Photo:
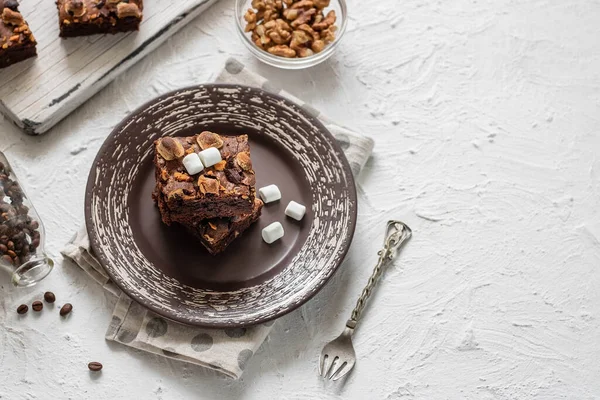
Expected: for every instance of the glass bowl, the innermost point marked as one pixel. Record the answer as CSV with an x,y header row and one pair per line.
x,y
241,6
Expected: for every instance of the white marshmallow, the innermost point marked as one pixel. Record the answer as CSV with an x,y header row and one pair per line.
x,y
269,193
210,156
272,232
193,164
295,210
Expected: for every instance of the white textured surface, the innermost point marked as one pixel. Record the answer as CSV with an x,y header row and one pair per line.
x,y
486,116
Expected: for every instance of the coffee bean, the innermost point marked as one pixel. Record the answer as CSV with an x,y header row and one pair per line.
x,y
23,210
6,258
66,309
19,236
11,253
3,249
35,243
10,245
22,309
95,366
37,305
34,225
49,297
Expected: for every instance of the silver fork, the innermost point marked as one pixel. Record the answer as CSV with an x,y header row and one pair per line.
x,y
338,356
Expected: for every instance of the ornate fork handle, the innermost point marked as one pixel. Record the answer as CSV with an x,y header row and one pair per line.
x,y
397,234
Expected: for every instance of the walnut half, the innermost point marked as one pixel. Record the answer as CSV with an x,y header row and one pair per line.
x,y
170,149
282,51
125,10
10,17
75,8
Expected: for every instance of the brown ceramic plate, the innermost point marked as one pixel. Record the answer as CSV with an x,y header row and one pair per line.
x,y
165,268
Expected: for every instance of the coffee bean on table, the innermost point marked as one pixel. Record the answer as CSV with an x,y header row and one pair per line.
x,y
37,305
67,308
22,309
95,366
49,297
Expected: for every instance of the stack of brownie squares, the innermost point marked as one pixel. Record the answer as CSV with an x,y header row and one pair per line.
x,y
215,204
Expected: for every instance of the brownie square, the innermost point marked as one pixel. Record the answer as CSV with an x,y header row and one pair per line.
x,y
90,17
16,40
223,190
218,233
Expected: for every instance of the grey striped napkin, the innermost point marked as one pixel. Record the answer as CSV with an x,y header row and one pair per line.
x,y
228,350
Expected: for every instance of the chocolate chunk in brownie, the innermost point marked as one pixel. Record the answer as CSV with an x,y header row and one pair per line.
x,y
90,17
17,43
218,233
222,190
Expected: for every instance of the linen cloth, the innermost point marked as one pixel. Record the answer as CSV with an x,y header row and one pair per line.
x,y
224,350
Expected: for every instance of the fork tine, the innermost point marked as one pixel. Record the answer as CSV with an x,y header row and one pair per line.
x,y
331,368
322,363
341,372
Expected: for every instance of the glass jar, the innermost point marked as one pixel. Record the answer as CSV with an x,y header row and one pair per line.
x,y
22,251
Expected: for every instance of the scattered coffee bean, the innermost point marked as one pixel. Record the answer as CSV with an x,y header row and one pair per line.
x,y
66,309
22,309
37,305
95,366
49,297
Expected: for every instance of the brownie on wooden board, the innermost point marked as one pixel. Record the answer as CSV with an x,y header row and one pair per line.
x,y
218,233
17,43
90,17
223,190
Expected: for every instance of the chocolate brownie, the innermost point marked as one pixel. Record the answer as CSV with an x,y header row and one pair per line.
x,y
218,233
16,40
90,17
223,190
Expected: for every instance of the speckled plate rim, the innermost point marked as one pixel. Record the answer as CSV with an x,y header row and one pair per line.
x,y
351,186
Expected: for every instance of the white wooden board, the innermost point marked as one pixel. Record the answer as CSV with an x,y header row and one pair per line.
x,y
39,92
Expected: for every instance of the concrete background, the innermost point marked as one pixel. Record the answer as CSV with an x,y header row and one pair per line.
x,y
486,116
